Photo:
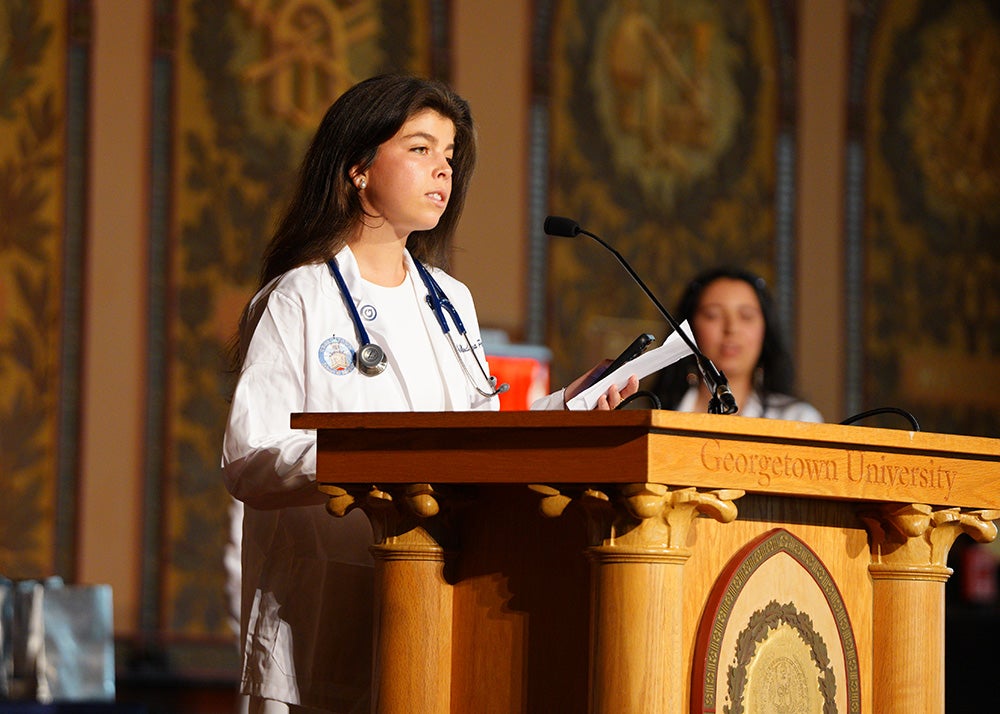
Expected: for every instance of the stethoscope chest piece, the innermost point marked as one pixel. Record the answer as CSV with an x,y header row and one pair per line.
x,y
371,359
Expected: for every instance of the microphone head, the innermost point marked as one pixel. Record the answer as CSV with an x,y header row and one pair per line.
x,y
727,400
559,226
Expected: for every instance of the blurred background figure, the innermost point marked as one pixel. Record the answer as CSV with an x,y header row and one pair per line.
x,y
735,325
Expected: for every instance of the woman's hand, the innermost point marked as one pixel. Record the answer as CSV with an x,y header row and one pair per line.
x,y
611,398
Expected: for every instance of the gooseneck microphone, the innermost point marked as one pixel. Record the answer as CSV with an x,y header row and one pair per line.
x,y
722,401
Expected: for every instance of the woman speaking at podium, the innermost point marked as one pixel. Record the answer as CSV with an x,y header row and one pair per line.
x,y
353,313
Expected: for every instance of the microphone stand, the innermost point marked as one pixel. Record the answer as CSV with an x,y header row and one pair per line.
x,y
722,400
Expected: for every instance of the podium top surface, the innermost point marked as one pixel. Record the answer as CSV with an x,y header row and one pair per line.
x,y
657,446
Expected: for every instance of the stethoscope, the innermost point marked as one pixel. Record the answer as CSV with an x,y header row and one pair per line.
x,y
371,359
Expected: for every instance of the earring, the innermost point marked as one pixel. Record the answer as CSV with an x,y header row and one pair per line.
x,y
362,183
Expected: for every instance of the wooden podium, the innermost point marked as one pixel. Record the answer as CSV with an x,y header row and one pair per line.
x,y
655,562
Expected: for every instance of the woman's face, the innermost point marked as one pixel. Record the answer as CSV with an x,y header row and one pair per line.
x,y
729,327
409,182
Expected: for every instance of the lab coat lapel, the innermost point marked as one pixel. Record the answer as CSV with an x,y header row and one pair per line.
x,y
456,397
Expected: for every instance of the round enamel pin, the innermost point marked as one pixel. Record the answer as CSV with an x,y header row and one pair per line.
x,y
337,356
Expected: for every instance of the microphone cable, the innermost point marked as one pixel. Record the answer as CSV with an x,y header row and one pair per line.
x,y
883,410
642,394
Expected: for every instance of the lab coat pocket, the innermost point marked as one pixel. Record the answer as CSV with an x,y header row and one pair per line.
x,y
268,644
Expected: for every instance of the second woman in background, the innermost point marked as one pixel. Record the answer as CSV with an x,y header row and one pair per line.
x,y
732,317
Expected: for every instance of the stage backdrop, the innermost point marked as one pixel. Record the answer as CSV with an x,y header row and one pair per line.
x,y
239,88
44,55
669,134
924,238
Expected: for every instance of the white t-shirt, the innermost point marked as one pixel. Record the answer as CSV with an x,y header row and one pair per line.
x,y
419,369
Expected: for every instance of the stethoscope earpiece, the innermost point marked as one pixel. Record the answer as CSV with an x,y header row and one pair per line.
x,y
371,360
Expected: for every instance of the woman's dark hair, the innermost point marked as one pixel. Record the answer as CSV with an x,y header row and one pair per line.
x,y
774,364
326,207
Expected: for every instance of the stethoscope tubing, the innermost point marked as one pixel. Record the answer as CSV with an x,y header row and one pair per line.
x,y
370,359
439,303
359,326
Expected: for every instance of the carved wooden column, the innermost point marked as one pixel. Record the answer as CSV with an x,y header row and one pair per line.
x,y
411,671
910,545
639,536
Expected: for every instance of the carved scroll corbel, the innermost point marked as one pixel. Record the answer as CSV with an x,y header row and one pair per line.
x,y
404,514
644,515
689,503
917,538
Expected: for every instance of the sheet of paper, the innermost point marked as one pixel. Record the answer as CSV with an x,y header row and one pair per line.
x,y
672,349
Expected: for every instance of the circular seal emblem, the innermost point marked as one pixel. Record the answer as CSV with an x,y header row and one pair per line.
x,y
368,312
337,356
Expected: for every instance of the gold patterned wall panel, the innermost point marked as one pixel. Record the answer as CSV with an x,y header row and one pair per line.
x,y
664,129
40,248
244,83
930,233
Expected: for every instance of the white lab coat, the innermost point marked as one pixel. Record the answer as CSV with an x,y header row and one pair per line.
x,y
779,406
306,607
